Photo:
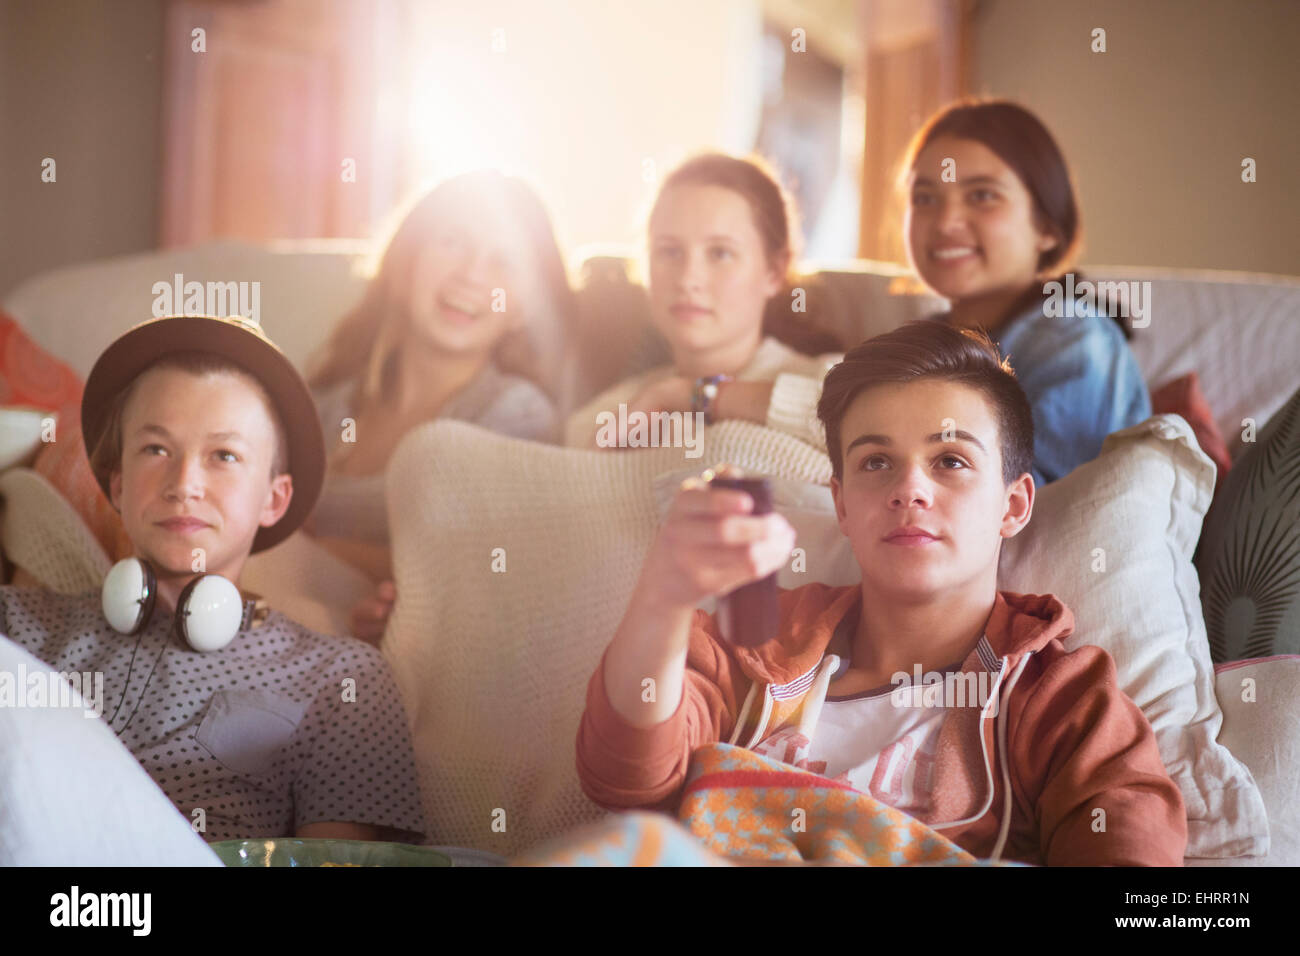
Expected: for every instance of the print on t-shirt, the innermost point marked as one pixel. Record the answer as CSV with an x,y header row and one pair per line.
x,y
869,743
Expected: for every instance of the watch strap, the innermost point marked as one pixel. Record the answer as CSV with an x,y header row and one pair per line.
x,y
704,395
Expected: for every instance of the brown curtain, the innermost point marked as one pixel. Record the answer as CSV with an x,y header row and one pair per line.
x,y
916,61
265,125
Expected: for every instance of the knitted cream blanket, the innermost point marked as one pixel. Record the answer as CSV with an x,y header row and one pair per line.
x,y
495,634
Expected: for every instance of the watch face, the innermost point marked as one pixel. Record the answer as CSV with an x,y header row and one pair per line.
x,y
705,393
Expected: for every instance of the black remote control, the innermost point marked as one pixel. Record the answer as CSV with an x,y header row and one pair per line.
x,y
751,614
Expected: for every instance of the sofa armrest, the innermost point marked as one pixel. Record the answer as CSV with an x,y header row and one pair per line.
x,y
1260,699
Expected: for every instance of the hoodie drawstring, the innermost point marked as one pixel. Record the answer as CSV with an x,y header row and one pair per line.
x,y
1004,699
763,718
744,712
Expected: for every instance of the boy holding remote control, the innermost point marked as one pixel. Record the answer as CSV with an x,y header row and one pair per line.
x,y
931,444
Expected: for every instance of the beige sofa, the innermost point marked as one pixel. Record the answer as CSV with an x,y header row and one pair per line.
x,y
518,647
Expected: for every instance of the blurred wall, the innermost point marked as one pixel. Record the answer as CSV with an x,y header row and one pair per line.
x,y
1157,126
80,82
591,101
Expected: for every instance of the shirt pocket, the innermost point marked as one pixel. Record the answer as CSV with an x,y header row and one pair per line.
x,y
246,730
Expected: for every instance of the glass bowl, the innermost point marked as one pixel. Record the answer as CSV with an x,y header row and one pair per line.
x,y
293,851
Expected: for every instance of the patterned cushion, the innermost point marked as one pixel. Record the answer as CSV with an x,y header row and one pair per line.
x,y
1249,553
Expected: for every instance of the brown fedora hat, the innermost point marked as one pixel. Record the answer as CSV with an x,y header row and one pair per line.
x,y
243,342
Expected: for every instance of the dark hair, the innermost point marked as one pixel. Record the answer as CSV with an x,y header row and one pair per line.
x,y
776,217
1020,140
928,349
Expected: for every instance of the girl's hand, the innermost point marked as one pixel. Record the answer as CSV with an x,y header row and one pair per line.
x,y
370,616
747,401
672,394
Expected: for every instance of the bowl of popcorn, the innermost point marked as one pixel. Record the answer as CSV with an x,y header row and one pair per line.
x,y
293,851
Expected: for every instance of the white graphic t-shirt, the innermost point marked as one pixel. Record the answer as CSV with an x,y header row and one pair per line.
x,y
880,741
879,748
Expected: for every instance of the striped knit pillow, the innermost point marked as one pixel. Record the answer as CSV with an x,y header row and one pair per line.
x,y
1249,554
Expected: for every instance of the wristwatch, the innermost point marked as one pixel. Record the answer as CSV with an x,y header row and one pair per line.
x,y
705,394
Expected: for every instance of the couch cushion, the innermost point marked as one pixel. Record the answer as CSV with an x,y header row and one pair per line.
x,y
1114,539
1249,555
43,534
1261,711
1183,397
304,288
1239,332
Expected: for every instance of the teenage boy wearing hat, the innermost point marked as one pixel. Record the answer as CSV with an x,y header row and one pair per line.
x,y
206,440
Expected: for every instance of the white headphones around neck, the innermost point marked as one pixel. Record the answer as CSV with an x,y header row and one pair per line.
x,y
209,612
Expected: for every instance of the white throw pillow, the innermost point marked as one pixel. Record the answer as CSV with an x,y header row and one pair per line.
x,y
1138,507
71,794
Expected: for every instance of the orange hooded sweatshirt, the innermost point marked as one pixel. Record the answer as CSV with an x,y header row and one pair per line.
x,y
1058,767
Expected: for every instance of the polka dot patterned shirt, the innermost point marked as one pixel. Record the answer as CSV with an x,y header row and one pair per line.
x,y
281,728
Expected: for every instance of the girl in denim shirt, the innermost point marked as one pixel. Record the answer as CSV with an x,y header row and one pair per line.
x,y
991,219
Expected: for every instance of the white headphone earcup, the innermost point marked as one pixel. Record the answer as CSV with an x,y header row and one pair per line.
x,y
209,613
128,595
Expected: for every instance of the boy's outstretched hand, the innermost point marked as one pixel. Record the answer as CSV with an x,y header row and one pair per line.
x,y
370,616
710,545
